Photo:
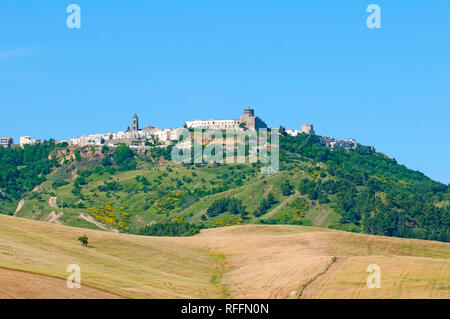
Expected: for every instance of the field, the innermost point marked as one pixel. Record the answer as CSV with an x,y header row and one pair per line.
x,y
251,261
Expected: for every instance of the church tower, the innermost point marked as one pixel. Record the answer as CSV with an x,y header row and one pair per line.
x,y
135,123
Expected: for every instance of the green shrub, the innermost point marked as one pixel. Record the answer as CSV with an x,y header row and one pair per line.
x,y
57,184
83,239
173,229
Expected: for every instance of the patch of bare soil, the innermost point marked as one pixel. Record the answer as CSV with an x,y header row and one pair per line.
x,y
53,218
96,223
52,202
19,206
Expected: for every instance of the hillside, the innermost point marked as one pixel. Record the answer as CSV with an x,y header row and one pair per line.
x,y
250,261
123,190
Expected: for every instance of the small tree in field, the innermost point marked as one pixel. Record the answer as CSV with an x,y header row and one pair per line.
x,y
83,239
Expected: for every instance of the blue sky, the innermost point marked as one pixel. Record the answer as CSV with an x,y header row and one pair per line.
x,y
293,61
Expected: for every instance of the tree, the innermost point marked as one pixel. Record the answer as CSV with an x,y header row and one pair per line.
x,y
265,205
169,228
80,180
106,161
83,239
124,157
286,188
77,154
271,199
227,204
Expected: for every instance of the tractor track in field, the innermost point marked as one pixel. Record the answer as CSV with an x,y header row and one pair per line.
x,y
316,276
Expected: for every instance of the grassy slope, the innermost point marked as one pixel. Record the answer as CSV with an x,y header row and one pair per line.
x,y
143,200
38,208
254,189
255,261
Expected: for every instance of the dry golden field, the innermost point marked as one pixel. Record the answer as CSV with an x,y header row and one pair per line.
x,y
253,261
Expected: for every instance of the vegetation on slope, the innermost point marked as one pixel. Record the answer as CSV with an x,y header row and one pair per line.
x,y
356,190
371,192
172,229
22,169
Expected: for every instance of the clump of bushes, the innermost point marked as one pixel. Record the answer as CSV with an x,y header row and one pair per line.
x,y
57,184
172,229
265,205
227,204
83,239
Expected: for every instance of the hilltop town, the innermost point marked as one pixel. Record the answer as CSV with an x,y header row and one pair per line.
x,y
138,188
142,138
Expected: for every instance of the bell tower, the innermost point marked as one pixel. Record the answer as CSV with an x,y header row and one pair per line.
x,y
135,123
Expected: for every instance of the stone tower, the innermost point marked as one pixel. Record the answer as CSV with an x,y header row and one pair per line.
x,y
135,123
307,129
251,121
249,112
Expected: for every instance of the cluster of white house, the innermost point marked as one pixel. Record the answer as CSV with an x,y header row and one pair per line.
x,y
348,144
136,138
139,138
305,129
7,141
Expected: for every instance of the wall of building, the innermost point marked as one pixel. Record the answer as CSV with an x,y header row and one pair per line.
x,y
248,118
6,141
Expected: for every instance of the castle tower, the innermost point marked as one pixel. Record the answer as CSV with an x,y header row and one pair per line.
x,y
307,129
249,112
135,123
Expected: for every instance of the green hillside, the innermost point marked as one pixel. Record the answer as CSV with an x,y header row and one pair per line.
x,y
145,193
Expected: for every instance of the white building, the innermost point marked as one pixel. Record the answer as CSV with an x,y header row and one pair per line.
x,y
247,120
213,124
166,134
293,132
160,135
305,129
92,140
174,134
26,140
6,141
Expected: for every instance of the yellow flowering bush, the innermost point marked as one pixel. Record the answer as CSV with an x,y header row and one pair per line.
x,y
111,215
